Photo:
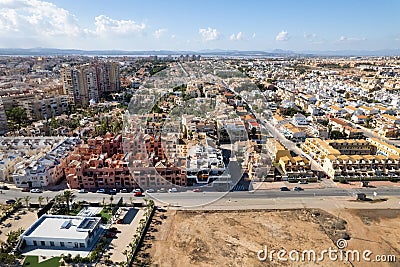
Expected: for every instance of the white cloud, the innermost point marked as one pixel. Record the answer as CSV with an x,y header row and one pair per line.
x,y
30,23
351,39
237,37
106,26
158,33
209,34
310,36
32,17
282,36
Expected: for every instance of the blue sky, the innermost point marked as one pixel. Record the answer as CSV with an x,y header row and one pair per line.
x,y
196,25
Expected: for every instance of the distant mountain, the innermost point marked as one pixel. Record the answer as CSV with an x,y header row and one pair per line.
x,y
207,52
379,53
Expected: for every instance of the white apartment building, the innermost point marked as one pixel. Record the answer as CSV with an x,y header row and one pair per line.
x,y
204,164
44,170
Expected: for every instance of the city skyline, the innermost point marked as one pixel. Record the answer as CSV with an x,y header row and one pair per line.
x,y
234,25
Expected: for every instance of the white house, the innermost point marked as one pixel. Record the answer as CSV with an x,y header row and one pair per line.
x,y
299,120
359,119
62,232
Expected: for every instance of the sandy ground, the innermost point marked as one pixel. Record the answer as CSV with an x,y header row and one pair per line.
x,y
232,238
24,222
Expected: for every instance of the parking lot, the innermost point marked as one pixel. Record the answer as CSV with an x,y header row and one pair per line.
x,y
125,231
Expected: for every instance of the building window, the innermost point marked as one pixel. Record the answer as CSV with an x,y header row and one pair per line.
x,y
52,243
42,243
62,244
34,243
82,245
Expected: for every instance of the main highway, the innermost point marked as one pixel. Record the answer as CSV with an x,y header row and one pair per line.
x,y
189,198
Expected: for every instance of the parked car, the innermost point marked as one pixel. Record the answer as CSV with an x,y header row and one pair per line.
x,y
136,190
101,190
173,190
150,190
197,190
303,182
161,190
4,187
285,188
25,189
10,201
138,194
298,188
82,191
120,221
123,190
113,191
110,234
36,190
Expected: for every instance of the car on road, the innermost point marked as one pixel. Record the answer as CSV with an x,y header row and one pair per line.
x,y
4,187
136,190
284,188
82,191
161,190
173,190
113,191
150,190
36,190
197,190
298,188
303,182
138,194
26,189
10,201
101,190
123,190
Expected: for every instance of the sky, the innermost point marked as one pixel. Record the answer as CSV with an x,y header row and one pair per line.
x,y
264,25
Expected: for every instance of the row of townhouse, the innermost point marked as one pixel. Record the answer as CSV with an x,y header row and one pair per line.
x,y
44,169
355,159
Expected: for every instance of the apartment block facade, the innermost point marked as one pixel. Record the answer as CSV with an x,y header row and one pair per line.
x,y
3,119
89,82
99,163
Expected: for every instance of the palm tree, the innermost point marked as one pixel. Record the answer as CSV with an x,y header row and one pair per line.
x,y
47,199
126,253
40,200
26,200
17,201
111,200
68,196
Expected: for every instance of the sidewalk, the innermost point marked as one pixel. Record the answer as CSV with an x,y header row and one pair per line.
x,y
278,185
372,184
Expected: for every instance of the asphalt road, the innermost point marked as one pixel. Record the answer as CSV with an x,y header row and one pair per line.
x,y
189,198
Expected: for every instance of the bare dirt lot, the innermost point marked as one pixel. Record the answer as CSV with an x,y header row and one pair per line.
x,y
219,238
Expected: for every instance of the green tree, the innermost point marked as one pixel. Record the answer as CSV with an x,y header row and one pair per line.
x,y
17,115
68,196
111,200
40,200
26,200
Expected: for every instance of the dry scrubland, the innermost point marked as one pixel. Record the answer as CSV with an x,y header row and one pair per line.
x,y
186,238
